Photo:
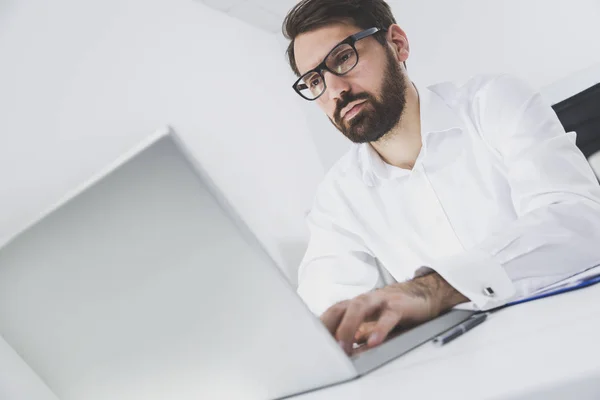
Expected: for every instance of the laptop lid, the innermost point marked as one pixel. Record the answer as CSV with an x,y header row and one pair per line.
x,y
146,285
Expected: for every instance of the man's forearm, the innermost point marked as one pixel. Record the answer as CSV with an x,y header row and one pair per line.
x,y
441,294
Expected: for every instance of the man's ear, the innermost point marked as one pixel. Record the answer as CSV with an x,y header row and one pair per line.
x,y
398,42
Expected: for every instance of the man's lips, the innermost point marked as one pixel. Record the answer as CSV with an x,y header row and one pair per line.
x,y
350,111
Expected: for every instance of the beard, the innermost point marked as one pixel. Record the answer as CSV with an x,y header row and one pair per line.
x,y
378,116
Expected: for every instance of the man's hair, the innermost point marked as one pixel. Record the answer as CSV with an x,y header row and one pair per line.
x,y
309,15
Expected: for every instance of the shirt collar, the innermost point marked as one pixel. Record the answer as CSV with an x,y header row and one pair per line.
x,y
436,116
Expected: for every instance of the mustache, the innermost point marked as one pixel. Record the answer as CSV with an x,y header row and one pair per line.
x,y
344,101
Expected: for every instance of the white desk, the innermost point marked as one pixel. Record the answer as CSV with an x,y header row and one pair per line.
x,y
546,349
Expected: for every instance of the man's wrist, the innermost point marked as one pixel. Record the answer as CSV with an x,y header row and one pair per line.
x,y
440,293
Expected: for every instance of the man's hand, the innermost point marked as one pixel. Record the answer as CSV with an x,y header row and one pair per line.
x,y
372,316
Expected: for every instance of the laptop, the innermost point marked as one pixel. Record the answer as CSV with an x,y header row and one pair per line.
x,y
145,284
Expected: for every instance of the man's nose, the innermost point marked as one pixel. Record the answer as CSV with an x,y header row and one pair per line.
x,y
336,86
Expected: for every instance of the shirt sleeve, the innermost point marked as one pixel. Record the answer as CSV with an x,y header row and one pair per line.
x,y
337,265
554,192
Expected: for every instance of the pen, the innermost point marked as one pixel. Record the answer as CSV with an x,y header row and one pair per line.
x,y
458,330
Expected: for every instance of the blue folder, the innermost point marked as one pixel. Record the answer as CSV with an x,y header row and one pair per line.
x,y
570,284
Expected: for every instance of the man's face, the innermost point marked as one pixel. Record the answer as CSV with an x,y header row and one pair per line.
x,y
367,102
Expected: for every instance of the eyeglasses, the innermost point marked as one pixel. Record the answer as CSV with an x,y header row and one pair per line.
x,y
341,60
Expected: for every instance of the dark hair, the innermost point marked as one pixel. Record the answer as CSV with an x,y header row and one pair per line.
x,y
309,15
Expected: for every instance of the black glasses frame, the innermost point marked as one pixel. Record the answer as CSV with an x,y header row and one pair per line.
x,y
350,40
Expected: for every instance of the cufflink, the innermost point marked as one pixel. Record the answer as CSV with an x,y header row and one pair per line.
x,y
488,291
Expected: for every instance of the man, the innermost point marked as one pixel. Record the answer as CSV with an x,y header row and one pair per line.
x,y
451,194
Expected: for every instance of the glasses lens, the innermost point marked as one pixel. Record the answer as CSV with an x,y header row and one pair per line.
x,y
342,59
311,85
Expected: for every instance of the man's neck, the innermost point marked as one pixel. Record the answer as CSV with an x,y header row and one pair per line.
x,y
401,146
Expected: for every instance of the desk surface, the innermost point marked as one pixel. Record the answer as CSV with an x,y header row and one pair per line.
x,y
545,349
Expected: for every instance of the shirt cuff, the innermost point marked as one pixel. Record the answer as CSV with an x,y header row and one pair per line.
x,y
477,276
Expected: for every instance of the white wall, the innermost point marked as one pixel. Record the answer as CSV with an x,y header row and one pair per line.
x,y
81,82
541,41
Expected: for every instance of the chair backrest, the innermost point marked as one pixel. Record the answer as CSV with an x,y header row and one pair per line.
x,y
581,113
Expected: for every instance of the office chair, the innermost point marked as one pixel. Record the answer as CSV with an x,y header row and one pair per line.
x,y
581,113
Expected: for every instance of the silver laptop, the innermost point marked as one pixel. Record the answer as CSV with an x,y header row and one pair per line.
x,y
146,285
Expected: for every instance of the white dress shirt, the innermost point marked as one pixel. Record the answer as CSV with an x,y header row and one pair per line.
x,y
500,203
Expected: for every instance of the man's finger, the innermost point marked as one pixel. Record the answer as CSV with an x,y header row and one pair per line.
x,y
386,322
364,331
333,316
356,313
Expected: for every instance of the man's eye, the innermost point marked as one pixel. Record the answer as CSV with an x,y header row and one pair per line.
x,y
344,57
315,82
